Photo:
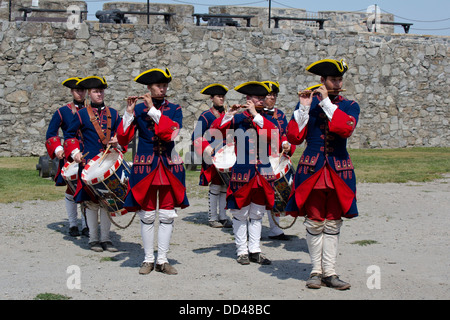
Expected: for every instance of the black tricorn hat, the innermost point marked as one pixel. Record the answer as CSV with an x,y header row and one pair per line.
x,y
273,86
253,88
93,82
215,89
154,76
328,67
72,83
314,87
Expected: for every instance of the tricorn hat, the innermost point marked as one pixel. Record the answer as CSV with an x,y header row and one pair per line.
x,y
273,86
154,76
253,88
328,67
92,82
214,89
314,87
72,83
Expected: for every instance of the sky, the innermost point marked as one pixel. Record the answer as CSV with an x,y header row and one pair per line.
x,y
431,17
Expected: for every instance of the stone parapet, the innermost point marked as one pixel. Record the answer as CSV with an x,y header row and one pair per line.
x,y
399,80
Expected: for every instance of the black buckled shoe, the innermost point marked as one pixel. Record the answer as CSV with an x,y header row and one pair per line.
x,y
166,268
243,259
258,257
335,283
74,232
314,281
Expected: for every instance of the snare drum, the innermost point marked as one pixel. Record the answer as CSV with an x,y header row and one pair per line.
x,y
69,172
224,160
284,173
107,175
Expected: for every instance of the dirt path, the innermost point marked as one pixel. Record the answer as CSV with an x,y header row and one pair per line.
x,y
410,224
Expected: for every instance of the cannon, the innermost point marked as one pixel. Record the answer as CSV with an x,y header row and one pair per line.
x,y
111,16
47,167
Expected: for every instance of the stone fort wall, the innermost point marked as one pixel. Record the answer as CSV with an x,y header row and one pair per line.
x,y
401,81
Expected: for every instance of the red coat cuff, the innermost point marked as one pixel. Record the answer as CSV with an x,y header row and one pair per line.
x,y
167,129
342,124
200,145
70,145
124,137
51,144
293,135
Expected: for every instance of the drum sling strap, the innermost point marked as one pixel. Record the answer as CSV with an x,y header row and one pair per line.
x,y
74,109
95,122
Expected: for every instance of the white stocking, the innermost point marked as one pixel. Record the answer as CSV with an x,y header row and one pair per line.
x,y
254,235
148,233
71,208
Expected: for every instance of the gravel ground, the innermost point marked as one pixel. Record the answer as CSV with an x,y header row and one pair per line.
x,y
408,258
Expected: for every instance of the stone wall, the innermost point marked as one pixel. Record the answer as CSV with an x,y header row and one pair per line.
x,y
401,81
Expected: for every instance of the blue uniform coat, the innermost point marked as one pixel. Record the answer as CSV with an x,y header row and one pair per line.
x,y
326,143
90,141
156,151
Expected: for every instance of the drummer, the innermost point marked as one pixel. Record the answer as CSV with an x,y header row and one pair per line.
x,y
61,120
277,117
158,174
250,194
204,146
97,125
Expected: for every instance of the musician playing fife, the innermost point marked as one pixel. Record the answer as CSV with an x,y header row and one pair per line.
x,y
324,188
158,174
204,143
61,120
250,193
97,124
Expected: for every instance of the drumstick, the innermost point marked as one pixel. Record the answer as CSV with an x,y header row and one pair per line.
x,y
104,154
84,155
279,159
106,151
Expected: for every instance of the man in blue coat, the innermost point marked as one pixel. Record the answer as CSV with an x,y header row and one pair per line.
x,y
250,192
204,141
324,184
277,117
97,125
157,180
61,119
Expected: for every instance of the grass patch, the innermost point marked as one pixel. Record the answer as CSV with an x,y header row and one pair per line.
x,y
400,165
20,181
108,259
364,243
396,165
51,296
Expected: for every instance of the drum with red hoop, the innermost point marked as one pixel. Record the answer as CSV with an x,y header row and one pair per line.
x,y
224,160
284,173
69,172
107,175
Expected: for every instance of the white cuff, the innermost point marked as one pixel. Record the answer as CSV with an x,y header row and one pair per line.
x,y
58,149
301,115
226,118
127,120
74,152
258,119
155,114
328,107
